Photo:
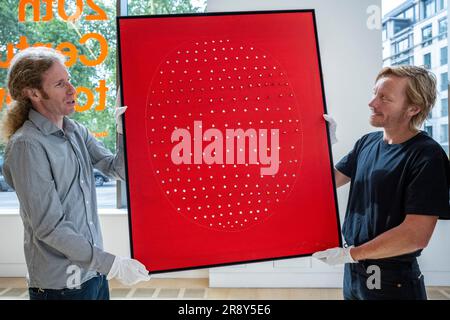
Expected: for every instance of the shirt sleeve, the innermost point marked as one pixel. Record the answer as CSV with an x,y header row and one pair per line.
x,y
347,165
427,192
103,160
29,173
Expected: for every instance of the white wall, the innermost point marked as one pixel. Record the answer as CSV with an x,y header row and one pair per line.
x,y
114,224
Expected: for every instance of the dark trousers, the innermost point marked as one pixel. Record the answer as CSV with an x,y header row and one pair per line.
x,y
380,280
94,289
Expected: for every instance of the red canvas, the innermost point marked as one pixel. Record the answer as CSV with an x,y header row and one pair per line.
x,y
228,157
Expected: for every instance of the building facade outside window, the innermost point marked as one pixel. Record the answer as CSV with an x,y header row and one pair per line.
x,y
430,51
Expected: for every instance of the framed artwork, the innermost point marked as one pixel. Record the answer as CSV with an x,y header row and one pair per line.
x,y
228,155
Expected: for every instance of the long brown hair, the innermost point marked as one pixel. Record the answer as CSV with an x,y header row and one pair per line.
x,y
25,71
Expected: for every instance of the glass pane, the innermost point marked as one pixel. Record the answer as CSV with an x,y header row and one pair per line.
x,y
427,36
444,56
86,34
429,8
429,130
444,81
443,28
444,133
427,60
444,107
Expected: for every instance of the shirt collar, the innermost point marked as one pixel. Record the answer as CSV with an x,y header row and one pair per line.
x,y
46,126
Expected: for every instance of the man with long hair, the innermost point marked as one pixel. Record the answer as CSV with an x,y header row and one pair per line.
x,y
49,161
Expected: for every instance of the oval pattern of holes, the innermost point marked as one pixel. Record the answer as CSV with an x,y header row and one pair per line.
x,y
223,85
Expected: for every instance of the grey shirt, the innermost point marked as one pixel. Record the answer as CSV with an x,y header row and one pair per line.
x,y
51,171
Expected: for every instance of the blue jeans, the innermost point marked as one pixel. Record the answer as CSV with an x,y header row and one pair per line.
x,y
94,289
397,281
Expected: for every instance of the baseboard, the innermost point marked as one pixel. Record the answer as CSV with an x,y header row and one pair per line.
x,y
300,280
252,280
13,270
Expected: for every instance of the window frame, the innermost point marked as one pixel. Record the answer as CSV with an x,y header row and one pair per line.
x,y
429,40
444,55
444,84
427,66
425,4
442,34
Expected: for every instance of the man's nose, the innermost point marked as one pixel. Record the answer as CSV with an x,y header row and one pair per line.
x,y
71,89
372,102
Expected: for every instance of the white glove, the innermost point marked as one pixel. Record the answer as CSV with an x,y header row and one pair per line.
x,y
335,256
128,271
119,111
332,128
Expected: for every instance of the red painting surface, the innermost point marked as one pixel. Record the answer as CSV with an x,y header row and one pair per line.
x,y
227,151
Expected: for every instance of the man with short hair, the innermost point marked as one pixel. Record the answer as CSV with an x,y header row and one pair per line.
x,y
49,161
399,189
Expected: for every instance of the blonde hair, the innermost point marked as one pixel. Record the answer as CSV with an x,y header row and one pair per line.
x,y
25,71
420,91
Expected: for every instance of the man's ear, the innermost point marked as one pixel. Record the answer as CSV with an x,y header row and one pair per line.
x,y
413,110
32,94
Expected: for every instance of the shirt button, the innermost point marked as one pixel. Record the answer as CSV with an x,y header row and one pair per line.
x,y
91,223
87,202
82,181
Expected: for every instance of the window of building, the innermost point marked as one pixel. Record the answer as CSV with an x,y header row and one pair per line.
x,y
444,81
429,130
400,25
384,32
444,56
429,8
442,4
402,45
406,61
427,35
410,14
444,133
427,60
443,28
444,107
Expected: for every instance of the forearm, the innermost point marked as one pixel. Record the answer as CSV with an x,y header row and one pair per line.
x,y
392,243
412,235
109,164
76,248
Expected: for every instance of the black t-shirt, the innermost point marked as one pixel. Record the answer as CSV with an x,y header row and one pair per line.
x,y
389,181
